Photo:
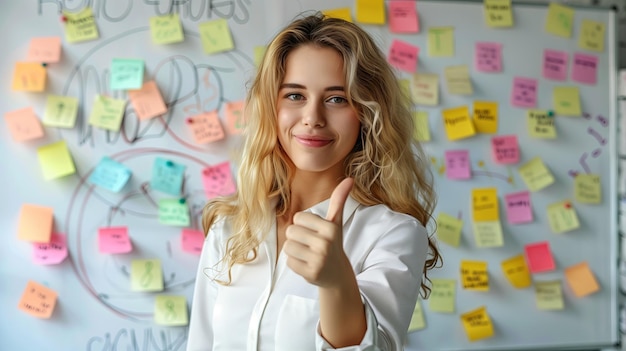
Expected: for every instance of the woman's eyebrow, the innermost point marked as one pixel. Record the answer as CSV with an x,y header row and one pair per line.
x,y
300,86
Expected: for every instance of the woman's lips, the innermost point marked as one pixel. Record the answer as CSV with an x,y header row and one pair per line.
x,y
312,141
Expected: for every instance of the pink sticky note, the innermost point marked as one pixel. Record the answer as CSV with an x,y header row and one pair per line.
x,y
554,64
206,127
403,55
53,252
524,92
539,257
403,17
24,124
114,240
488,57
218,180
505,149
147,101
458,164
585,68
518,207
44,50
192,240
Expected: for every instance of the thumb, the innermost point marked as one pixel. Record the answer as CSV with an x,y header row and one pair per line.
x,y
338,200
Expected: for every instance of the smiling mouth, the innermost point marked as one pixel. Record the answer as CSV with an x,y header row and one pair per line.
x,y
313,142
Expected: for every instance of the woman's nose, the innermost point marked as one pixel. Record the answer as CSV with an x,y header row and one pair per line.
x,y
313,115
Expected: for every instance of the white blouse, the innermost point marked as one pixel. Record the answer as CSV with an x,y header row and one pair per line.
x,y
269,307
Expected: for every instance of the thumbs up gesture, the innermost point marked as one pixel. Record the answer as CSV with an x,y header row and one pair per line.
x,y
314,245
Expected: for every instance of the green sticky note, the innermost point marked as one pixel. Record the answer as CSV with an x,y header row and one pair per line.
x,y
566,101
107,113
535,174
562,217
417,319
174,212
441,42
215,36
559,20
55,160
126,74
443,295
170,310
60,111
422,126
166,29
449,229
146,275
587,188
259,52
80,26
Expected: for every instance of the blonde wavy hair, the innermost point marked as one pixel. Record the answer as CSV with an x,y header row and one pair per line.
x,y
387,164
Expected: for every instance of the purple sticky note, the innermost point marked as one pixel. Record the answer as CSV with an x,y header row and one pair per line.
x,y
585,68
114,240
458,164
555,64
539,257
524,92
192,240
403,17
505,149
403,55
218,180
518,207
488,57
53,252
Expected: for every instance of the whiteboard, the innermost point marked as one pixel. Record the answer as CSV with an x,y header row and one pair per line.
x,y
96,310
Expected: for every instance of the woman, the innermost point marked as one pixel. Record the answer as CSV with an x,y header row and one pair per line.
x,y
324,244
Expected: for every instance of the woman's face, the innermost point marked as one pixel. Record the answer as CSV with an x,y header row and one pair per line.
x,y
317,127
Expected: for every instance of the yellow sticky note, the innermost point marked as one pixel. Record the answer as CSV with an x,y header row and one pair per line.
x,y
147,101
535,174
540,124
405,86
458,80
587,188
166,29
458,123
474,275
259,53
516,271
488,234
60,111
417,318
38,300
559,20
486,117
170,310
591,35
370,11
485,204
498,13
107,113
562,217
581,279
566,101
549,295
477,324
441,42
146,275
343,13
80,26
35,223
425,89
443,295
449,229
422,127
29,76
55,160
24,124
215,36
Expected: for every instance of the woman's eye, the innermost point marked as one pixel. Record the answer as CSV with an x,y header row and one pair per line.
x,y
294,97
337,100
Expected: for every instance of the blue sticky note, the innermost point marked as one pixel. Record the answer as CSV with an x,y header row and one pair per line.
x,y
110,175
126,74
167,176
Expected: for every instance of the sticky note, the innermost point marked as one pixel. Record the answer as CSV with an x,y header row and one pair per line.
x,y
55,160
29,76
107,113
80,26
403,55
37,300
585,68
518,207
126,74
343,13
170,310
588,189
486,117
44,50
405,86
458,80
474,275
60,111
422,126
535,174
488,234
425,89
539,257
167,176
147,101
591,35
485,204
441,41
488,57
53,252
192,240
554,64
559,20
215,36
524,92
540,124
443,295
235,121
477,324
174,212
35,223
566,101
417,318
114,240
581,279
549,295
218,180
458,164
110,175
562,217
449,229
498,13
259,53
370,11
146,275
505,149
457,123
206,127
516,271
403,17
23,124
166,29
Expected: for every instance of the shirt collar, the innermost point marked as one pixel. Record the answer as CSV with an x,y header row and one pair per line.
x,y
321,208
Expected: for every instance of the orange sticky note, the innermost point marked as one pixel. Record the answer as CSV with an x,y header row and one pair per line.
x,y
581,279
147,101
206,127
24,124
38,300
35,223
29,76
235,120
44,50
